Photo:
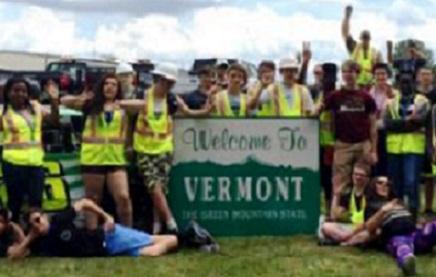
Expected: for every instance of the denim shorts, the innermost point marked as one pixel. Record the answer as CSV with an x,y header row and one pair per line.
x,y
125,241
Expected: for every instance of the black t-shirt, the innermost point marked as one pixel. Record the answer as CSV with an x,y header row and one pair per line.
x,y
195,100
398,222
65,239
6,240
345,200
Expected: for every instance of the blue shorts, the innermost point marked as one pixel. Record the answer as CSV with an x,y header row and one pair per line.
x,y
124,241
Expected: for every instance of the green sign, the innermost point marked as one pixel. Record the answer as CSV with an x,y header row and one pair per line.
x,y
247,176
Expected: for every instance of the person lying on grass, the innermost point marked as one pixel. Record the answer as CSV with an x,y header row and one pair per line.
x,y
59,236
10,233
388,220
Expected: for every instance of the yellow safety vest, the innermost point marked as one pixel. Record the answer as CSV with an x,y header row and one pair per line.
x,y
297,105
267,109
153,135
365,63
22,137
357,216
404,143
326,134
224,108
104,143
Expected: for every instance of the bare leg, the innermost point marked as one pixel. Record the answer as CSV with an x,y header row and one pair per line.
x,y
335,231
157,224
161,244
160,203
119,188
94,184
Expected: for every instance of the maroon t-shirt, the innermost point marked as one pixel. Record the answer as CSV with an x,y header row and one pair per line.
x,y
351,111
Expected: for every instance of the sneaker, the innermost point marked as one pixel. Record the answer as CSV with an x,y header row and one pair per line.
x,y
409,266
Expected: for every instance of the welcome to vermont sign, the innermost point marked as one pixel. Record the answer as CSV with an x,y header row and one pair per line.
x,y
247,176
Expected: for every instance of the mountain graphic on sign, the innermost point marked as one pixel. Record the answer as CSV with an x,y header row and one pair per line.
x,y
251,166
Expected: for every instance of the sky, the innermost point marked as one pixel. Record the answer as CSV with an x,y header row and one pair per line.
x,y
182,30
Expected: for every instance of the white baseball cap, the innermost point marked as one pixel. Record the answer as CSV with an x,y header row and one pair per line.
x,y
166,70
124,68
287,63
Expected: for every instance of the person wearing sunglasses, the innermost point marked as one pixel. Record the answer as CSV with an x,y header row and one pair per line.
x,y
60,236
388,221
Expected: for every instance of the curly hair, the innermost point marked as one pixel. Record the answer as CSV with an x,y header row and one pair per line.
x,y
7,89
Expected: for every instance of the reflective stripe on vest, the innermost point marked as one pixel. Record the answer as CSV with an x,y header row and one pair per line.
x,y
297,103
224,107
22,137
104,143
365,63
357,216
404,143
153,135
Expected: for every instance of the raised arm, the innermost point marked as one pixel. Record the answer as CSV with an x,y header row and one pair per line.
x,y
306,57
350,43
89,205
345,26
53,116
184,109
132,106
76,102
254,95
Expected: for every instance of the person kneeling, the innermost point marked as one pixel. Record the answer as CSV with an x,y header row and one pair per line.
x,y
59,236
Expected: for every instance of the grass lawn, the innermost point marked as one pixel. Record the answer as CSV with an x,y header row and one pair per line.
x,y
264,256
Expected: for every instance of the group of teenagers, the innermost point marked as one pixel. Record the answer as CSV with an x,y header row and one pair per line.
x,y
114,128
365,124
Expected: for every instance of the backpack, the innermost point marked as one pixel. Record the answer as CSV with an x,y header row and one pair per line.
x,y
195,236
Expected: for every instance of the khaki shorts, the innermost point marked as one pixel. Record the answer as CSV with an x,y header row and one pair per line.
x,y
155,169
344,157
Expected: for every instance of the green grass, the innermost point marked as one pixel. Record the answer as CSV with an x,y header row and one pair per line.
x,y
265,256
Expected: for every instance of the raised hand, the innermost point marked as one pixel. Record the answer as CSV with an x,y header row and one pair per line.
x,y
52,90
109,224
348,11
